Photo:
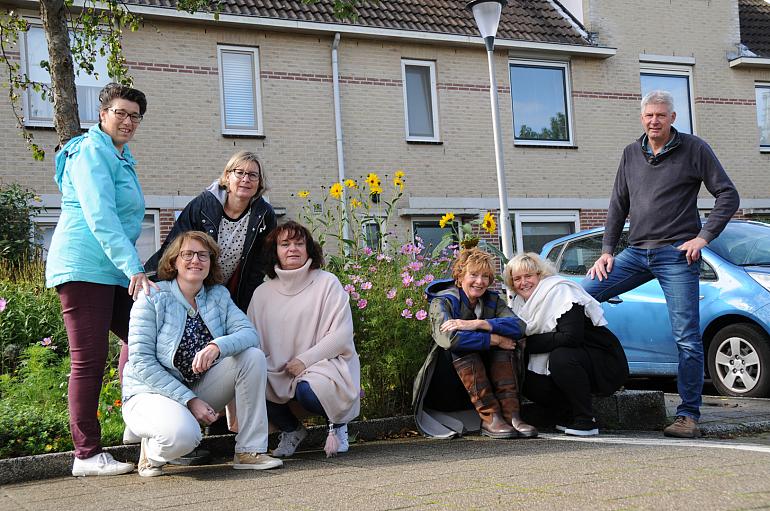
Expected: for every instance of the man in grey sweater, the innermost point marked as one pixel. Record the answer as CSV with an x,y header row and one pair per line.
x,y
657,185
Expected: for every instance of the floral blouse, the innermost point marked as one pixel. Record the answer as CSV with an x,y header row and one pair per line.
x,y
195,337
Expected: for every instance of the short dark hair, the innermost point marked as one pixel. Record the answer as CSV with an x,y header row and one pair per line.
x,y
113,91
166,266
294,231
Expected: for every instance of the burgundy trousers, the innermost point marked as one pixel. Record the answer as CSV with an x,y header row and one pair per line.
x,y
90,311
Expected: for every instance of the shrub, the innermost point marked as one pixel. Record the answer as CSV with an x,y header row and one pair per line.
x,y
17,229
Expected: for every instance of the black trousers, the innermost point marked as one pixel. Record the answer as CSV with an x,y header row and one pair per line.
x,y
568,388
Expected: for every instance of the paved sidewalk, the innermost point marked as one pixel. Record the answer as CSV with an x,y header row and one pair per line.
x,y
727,416
611,472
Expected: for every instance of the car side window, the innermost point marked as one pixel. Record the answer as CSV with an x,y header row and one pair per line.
x,y
706,271
580,255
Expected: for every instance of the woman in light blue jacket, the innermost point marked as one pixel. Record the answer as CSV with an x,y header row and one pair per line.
x,y
93,261
191,351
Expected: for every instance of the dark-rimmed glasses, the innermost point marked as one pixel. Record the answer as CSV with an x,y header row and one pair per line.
x,y
122,114
203,255
240,173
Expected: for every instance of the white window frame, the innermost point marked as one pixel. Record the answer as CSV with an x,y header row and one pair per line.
x,y
560,64
41,123
762,85
259,129
672,70
521,217
434,99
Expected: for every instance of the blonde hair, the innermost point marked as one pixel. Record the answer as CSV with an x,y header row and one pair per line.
x,y
167,265
239,159
528,262
473,260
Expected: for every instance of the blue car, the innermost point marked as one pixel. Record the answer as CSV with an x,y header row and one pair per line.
x,y
734,308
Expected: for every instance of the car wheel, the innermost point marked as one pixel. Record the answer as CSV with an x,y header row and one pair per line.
x,y
739,361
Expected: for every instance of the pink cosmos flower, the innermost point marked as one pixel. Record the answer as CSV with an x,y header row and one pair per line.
x,y
372,269
391,294
420,283
356,266
355,296
368,251
420,315
366,285
407,280
409,302
429,278
356,279
380,257
349,288
406,313
46,341
415,266
362,303
3,304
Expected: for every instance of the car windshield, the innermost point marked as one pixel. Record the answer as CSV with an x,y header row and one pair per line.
x,y
744,243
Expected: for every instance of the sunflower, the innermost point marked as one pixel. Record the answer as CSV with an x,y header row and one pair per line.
x,y
449,217
355,203
488,224
400,174
373,180
336,191
349,183
303,194
398,183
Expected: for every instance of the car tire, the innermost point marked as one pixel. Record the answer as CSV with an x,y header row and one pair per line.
x,y
739,361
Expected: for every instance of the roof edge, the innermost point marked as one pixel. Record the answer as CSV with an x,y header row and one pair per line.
x,y
747,62
367,32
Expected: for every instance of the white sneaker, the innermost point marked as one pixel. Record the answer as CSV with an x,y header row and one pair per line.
x,y
129,437
147,467
289,441
102,464
255,461
342,437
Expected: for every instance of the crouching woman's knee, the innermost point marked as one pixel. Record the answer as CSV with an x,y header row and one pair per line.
x,y
178,439
251,361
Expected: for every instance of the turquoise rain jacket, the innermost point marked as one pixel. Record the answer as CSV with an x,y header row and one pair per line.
x,y
102,208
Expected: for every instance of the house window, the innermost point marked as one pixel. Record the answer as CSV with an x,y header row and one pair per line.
x,y
541,104
678,81
763,115
420,103
372,234
147,244
39,111
532,230
239,90
431,234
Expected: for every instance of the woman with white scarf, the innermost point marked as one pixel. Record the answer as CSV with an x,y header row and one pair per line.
x,y
572,354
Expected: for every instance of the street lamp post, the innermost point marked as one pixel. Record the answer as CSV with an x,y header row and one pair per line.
x,y
487,15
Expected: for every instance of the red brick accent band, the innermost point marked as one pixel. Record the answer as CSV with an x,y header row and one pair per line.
x,y
725,101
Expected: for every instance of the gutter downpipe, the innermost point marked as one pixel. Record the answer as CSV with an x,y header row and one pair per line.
x,y
338,129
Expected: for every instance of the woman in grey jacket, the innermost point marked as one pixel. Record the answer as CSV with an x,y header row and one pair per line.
x,y
191,351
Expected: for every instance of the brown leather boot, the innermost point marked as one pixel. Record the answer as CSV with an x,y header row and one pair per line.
x,y
503,371
470,369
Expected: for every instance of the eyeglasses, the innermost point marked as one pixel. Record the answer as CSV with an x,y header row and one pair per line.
x,y
240,173
122,114
187,255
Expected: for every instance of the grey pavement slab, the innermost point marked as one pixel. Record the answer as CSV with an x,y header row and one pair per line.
x,y
636,471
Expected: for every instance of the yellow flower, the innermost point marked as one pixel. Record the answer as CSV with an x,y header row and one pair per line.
x,y
336,191
398,183
350,183
488,224
400,174
373,180
446,219
303,194
375,189
48,447
355,203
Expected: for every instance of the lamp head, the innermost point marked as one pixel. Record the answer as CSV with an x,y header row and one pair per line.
x,y
487,15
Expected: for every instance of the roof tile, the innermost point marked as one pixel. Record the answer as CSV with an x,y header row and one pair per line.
x,y
755,25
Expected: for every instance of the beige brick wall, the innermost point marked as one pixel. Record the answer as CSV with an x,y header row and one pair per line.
x,y
180,148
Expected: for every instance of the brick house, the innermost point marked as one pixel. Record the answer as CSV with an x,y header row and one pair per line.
x,y
413,95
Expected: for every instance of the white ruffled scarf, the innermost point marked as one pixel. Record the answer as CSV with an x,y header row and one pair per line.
x,y
552,297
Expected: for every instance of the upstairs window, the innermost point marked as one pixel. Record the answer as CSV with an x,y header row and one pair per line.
x,y
420,103
678,81
239,90
542,109
763,115
39,111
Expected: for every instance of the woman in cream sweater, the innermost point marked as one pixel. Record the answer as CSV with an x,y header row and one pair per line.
x,y
303,317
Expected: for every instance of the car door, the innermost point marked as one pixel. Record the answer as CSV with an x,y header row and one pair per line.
x,y
639,318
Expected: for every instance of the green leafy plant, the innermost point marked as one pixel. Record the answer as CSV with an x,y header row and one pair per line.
x,y
17,230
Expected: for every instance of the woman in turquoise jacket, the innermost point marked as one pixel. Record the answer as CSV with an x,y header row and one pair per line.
x,y
192,350
93,262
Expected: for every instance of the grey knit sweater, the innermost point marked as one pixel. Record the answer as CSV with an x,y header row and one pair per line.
x,y
660,194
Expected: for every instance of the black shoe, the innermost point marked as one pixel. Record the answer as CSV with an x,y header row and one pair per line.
x,y
582,427
196,457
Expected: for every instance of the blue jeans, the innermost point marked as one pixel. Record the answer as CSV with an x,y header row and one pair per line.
x,y
679,281
281,415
